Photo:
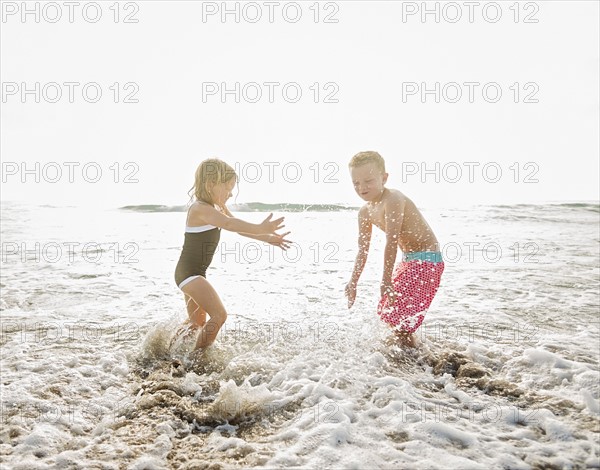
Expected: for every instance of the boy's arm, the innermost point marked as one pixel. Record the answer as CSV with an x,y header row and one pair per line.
x,y
365,228
394,215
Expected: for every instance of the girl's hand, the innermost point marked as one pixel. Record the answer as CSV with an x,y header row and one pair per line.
x,y
279,240
271,226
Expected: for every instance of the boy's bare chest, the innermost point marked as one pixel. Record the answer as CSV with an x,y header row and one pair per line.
x,y
377,215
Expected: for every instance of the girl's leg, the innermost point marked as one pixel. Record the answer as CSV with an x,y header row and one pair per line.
x,y
205,296
196,320
196,314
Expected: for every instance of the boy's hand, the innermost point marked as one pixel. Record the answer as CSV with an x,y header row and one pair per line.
x,y
387,290
350,293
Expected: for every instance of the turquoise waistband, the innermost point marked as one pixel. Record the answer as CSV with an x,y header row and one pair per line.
x,y
432,256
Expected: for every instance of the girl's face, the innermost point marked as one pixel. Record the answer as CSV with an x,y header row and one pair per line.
x,y
221,192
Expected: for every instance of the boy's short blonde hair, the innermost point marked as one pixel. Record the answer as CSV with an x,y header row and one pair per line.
x,y
362,158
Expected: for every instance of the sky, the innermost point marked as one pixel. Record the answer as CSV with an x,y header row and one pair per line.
x,y
490,104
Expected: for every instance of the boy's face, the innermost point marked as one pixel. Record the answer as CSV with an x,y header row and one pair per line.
x,y
368,181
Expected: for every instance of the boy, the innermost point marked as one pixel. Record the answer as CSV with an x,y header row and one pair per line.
x,y
416,279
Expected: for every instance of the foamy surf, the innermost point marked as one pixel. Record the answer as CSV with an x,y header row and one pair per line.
x,y
439,394
503,377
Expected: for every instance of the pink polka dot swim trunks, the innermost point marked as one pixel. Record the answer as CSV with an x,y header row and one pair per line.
x,y
415,280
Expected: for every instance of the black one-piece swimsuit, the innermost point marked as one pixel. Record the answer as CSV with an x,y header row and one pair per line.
x,y
199,246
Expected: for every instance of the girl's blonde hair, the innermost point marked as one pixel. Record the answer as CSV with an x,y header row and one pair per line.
x,y
210,172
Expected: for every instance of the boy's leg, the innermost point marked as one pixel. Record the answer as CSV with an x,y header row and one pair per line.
x,y
405,338
207,299
414,298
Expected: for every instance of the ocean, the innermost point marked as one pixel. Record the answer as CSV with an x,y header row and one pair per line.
x,y
505,376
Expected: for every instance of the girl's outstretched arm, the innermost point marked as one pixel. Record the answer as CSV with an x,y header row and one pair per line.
x,y
202,214
273,239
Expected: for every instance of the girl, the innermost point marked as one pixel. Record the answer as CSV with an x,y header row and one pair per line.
x,y
206,217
